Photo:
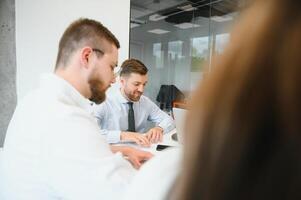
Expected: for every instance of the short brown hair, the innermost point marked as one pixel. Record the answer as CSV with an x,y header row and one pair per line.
x,y
80,33
132,65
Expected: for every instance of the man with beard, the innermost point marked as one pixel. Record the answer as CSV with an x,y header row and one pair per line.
x,y
53,149
124,114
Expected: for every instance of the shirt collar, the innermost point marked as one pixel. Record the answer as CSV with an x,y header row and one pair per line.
x,y
65,91
121,98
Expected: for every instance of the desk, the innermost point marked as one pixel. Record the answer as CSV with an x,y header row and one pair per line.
x,y
167,140
179,104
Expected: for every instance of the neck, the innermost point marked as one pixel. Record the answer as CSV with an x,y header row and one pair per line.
x,y
75,79
123,94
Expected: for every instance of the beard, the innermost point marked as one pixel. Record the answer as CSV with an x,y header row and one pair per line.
x,y
98,91
133,96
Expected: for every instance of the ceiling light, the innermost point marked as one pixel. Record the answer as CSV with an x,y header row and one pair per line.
x,y
158,31
221,18
187,7
156,17
133,25
186,25
138,21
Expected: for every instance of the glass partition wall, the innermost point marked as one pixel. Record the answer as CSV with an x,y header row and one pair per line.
x,y
177,38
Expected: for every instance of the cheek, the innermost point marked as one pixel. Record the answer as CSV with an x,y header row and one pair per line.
x,y
104,74
130,89
135,89
108,74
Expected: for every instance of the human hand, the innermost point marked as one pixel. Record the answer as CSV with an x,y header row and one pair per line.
x,y
138,138
155,135
137,157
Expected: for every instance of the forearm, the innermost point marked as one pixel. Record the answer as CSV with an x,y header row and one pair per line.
x,y
122,149
166,124
123,135
161,119
126,135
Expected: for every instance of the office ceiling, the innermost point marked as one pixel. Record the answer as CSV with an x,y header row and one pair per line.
x,y
170,15
141,9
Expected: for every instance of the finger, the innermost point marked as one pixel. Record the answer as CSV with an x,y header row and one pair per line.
x,y
161,137
137,141
154,136
147,136
141,140
133,161
147,142
147,156
151,137
144,141
136,164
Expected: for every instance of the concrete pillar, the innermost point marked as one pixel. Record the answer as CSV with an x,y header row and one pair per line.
x,y
8,96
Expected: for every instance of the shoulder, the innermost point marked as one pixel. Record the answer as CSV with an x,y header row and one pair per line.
x,y
102,106
145,100
113,98
112,93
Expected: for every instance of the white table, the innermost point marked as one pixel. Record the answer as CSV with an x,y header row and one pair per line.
x,y
167,140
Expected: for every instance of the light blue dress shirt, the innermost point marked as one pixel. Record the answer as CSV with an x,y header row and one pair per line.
x,y
112,116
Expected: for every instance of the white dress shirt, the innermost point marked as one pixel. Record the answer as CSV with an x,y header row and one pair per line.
x,y
156,177
112,116
53,149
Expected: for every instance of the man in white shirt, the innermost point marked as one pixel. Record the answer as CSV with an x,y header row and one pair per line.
x,y
53,149
123,115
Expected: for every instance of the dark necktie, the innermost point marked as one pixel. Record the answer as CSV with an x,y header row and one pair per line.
x,y
131,117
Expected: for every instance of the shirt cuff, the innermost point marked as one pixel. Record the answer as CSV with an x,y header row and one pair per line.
x,y
166,128
113,137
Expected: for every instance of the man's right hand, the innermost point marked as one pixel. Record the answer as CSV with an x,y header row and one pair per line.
x,y
138,138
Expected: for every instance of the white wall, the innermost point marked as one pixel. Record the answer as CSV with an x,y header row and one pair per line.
x,y
40,24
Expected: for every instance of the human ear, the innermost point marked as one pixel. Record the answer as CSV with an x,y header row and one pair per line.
x,y
85,54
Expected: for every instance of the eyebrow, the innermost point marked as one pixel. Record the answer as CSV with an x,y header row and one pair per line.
x,y
140,82
98,50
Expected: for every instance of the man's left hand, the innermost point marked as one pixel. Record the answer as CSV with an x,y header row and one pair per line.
x,y
135,156
155,135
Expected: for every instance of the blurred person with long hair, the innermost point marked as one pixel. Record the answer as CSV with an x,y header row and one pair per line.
x,y
243,131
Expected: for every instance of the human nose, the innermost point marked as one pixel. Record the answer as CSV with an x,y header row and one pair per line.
x,y
141,88
113,79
